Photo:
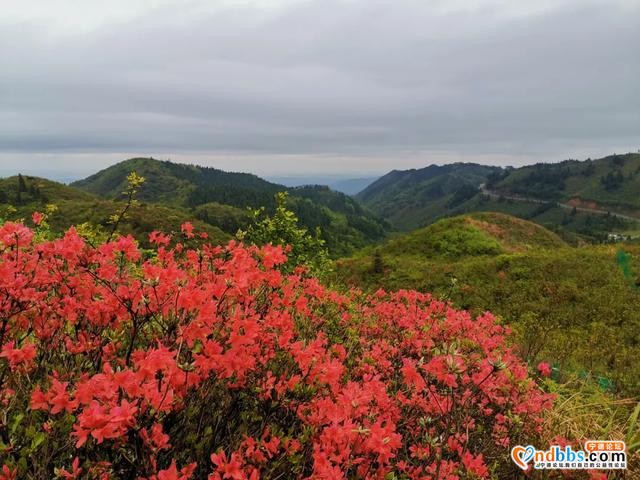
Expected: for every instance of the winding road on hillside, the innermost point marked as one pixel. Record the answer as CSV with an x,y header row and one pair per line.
x,y
517,198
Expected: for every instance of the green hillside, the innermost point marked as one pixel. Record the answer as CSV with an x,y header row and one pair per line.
x,y
559,299
21,195
572,225
180,184
219,197
600,190
22,190
413,198
611,182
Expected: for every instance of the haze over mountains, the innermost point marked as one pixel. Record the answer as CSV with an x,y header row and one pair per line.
x,y
341,183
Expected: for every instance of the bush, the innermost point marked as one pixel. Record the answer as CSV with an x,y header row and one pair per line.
x,y
211,363
282,229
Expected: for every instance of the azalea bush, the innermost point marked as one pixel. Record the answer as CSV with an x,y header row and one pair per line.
x,y
193,361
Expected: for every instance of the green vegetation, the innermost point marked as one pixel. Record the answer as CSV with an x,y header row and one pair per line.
x,y
560,300
611,182
282,229
24,195
218,197
414,198
572,225
227,218
178,184
570,303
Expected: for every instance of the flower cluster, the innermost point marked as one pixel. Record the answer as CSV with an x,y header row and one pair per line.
x,y
211,363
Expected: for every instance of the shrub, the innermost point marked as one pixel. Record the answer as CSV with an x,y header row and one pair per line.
x,y
282,229
210,362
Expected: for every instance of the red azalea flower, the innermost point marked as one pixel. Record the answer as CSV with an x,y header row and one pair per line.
x,y
544,369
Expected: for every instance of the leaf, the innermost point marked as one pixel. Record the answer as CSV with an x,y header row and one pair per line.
x,y
37,440
633,420
16,422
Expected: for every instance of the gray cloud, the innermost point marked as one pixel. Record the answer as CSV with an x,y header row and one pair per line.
x,y
393,81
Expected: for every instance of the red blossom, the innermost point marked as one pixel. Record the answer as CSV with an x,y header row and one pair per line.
x,y
18,357
187,229
8,474
37,218
545,369
151,358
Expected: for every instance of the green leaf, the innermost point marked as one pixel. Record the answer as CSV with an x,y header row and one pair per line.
x,y
16,422
37,440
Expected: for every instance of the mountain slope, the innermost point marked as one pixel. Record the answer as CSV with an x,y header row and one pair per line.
x,y
21,195
21,190
168,182
344,223
604,192
413,198
612,182
558,299
475,234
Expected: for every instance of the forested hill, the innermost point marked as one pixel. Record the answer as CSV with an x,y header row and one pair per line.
x,y
221,198
21,195
181,184
612,182
604,193
412,198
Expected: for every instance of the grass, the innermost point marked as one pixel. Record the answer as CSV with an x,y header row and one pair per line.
x,y
561,300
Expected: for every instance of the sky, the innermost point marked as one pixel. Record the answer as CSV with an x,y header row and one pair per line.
x,y
297,87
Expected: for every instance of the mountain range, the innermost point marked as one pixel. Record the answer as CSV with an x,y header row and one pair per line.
x,y
580,200
588,198
173,193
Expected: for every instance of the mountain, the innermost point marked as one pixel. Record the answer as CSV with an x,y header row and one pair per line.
x,y
582,200
349,186
216,196
476,234
413,198
22,195
609,183
180,184
559,299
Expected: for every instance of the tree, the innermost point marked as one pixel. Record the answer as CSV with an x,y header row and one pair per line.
x,y
378,264
134,182
282,229
22,186
590,169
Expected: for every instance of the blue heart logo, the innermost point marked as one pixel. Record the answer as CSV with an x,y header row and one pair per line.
x,y
528,454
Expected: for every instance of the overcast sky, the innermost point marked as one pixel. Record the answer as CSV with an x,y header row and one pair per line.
x,y
293,87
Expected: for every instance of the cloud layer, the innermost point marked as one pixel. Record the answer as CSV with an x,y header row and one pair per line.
x,y
358,79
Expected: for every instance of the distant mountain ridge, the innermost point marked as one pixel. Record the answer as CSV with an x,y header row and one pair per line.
x,y
166,181
347,185
345,224
413,198
544,193
612,181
